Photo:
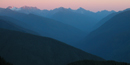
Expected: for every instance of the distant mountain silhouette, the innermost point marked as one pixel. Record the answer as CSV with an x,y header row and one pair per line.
x,y
26,49
101,14
97,15
84,11
28,10
34,10
111,40
79,18
45,26
91,62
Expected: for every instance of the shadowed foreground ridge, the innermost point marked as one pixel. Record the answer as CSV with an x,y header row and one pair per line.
x,y
26,49
3,62
91,62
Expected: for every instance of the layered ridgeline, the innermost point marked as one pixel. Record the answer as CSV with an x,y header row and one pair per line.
x,y
111,40
92,62
25,49
80,18
6,23
104,20
44,26
48,13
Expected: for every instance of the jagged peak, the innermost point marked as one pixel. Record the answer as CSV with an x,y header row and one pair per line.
x,y
29,7
10,7
106,11
13,8
80,8
61,8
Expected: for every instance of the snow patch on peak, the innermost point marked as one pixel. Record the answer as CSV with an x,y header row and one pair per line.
x,y
16,9
13,8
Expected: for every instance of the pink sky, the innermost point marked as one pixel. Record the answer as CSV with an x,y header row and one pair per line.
x,y
92,5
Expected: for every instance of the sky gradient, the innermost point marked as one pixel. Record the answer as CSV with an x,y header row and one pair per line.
x,y
92,5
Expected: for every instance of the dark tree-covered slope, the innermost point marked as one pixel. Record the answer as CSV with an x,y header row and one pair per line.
x,y
91,62
3,62
26,49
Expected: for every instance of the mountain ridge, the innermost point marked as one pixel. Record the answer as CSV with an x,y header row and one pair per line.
x,y
110,39
30,7
27,49
45,26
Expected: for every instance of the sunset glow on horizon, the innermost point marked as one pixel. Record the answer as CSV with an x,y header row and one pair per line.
x,y
92,5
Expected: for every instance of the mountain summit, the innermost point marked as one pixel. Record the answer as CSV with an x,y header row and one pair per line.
x,y
13,8
28,7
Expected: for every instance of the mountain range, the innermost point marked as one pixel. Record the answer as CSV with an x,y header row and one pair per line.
x,y
31,36
111,40
6,23
91,62
44,26
80,18
26,49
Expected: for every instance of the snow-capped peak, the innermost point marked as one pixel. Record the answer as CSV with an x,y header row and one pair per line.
x,y
13,8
